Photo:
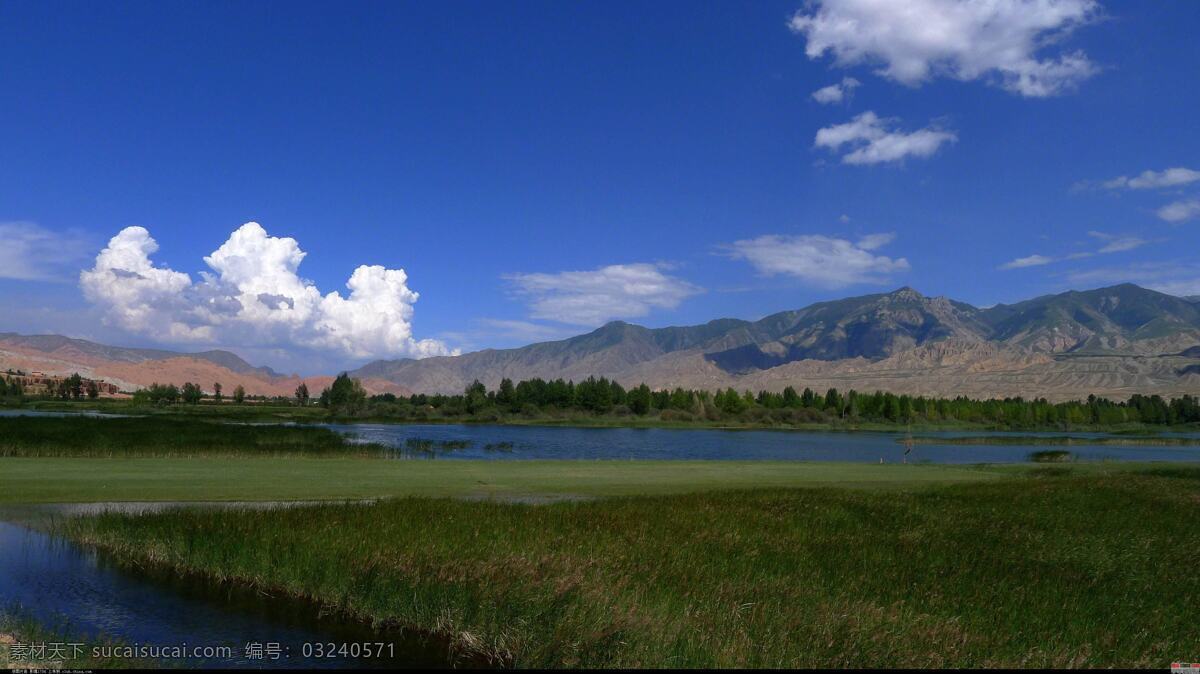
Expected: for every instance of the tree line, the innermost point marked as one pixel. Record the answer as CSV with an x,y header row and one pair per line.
x,y
601,396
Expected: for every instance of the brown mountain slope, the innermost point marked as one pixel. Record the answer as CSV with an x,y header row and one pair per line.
x,y
165,367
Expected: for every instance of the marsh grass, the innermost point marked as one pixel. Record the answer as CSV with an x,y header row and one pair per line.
x,y
1087,570
1124,441
431,448
168,437
1051,456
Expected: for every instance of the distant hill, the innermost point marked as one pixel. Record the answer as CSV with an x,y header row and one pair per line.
x,y
1072,343
133,368
66,346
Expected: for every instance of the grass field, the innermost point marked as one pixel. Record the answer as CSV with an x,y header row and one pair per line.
x,y
1055,567
41,480
676,563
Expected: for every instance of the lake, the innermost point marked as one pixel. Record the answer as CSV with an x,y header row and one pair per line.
x,y
505,443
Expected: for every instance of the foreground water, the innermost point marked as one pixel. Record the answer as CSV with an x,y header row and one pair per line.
x,y
556,442
57,583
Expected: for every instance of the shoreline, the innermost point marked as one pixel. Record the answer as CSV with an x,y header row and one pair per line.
x,y
314,417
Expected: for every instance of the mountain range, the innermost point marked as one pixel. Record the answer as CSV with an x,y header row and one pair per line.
x,y
1111,341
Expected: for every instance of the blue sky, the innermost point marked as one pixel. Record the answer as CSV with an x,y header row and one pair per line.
x,y
539,168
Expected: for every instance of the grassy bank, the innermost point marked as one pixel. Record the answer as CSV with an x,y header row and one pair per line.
x,y
269,412
166,437
1056,568
48,480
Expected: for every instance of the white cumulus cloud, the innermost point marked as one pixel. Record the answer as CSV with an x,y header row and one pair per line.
x,y
836,93
599,295
916,40
1179,211
253,296
820,260
871,140
1172,177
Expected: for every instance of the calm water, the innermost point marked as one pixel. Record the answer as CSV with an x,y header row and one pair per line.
x,y
541,442
53,581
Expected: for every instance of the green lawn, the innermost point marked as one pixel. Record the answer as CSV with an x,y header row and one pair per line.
x,y
41,480
1050,567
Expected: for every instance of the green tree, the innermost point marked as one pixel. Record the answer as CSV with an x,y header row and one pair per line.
x,y
239,394
639,400
790,397
506,395
346,393
191,393
302,394
93,389
217,392
808,398
731,402
475,396
833,401
681,399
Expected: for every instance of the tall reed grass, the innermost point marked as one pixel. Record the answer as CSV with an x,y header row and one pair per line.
x,y
1064,569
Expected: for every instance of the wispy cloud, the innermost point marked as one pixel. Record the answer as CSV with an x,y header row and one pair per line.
x,y
1180,211
1172,177
873,140
1174,278
916,40
1034,260
820,260
30,252
523,331
1117,244
1112,243
837,92
595,296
